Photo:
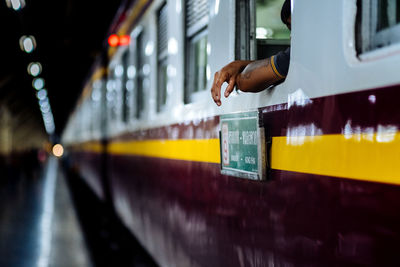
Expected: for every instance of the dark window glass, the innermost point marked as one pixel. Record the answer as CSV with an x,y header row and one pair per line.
x,y
162,78
377,24
199,50
162,85
196,47
140,76
125,91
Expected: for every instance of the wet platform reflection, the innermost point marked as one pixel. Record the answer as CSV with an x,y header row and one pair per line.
x,y
43,223
38,225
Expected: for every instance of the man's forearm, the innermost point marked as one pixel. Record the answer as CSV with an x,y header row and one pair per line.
x,y
256,76
241,64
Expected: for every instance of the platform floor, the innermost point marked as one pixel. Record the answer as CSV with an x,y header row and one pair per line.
x,y
38,224
49,217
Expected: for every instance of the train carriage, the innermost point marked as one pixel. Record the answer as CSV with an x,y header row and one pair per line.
x,y
147,136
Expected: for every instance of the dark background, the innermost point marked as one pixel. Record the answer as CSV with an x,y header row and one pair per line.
x,y
69,34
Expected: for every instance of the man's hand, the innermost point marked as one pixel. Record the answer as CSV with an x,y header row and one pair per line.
x,y
248,76
228,74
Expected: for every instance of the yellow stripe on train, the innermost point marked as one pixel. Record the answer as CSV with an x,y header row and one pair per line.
x,y
367,157
203,150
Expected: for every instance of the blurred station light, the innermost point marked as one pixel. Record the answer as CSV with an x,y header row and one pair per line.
x,y
47,118
27,43
58,150
34,68
15,4
44,102
48,121
45,108
115,40
41,94
124,40
38,83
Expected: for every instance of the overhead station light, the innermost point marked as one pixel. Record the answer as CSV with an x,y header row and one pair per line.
x,y
15,4
27,43
34,69
44,102
38,83
47,115
41,94
48,122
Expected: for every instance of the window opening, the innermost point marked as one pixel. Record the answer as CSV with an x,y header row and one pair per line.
x,y
125,90
272,36
97,104
196,47
377,24
140,75
162,78
245,30
112,94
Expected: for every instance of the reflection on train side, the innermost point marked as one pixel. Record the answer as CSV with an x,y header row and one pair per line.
x,y
297,136
383,133
298,98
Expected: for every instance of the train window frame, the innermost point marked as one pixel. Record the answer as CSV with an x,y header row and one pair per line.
x,y
248,44
140,77
267,46
125,91
111,95
162,56
194,74
132,73
245,44
97,97
194,32
371,42
118,92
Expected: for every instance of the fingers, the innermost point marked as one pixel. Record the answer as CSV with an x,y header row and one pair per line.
x,y
216,88
219,78
231,85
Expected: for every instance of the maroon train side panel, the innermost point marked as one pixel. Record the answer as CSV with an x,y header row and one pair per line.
x,y
187,213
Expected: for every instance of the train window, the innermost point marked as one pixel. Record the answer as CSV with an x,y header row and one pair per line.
x,y
162,36
196,47
96,98
140,77
378,24
111,95
118,92
125,86
272,36
244,31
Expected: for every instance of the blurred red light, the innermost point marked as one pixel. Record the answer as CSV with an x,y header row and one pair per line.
x,y
124,40
113,40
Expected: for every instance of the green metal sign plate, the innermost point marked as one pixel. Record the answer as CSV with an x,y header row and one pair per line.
x,y
242,145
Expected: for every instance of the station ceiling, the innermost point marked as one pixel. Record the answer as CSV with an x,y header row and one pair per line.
x,y
69,35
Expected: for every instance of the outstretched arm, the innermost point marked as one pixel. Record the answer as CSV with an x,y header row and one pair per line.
x,y
248,76
257,76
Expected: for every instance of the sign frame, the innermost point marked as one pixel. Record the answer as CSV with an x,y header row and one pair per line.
x,y
254,125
